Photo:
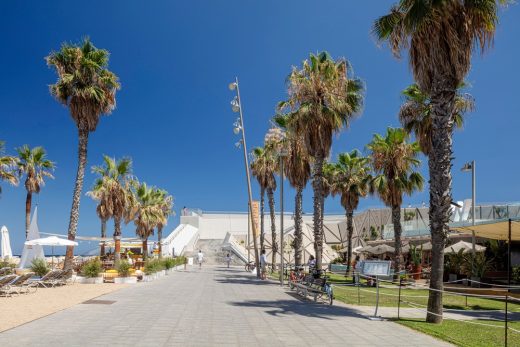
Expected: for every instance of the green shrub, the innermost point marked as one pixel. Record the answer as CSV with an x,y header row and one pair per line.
x,y
92,268
39,266
168,263
338,260
123,268
516,273
153,265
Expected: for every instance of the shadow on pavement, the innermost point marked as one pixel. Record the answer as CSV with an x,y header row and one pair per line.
x,y
241,279
301,307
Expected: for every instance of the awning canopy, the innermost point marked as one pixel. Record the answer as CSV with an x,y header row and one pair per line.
x,y
495,230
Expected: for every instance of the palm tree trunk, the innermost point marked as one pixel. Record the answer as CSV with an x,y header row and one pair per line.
x,y
103,235
439,165
117,238
145,249
28,202
78,187
298,222
398,230
159,239
317,185
350,232
262,211
274,244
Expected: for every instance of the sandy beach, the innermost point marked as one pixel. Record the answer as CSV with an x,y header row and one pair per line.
x,y
20,309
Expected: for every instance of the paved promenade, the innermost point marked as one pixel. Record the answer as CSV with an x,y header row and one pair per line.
x,y
209,307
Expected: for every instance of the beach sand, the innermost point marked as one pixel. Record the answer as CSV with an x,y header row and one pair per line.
x,y
20,309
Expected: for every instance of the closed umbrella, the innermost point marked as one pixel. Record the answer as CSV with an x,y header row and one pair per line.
x,y
465,246
6,251
52,241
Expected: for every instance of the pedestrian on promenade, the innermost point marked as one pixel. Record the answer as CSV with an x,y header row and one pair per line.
x,y
263,265
228,259
200,258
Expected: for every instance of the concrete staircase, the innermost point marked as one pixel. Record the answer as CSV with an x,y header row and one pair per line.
x,y
214,254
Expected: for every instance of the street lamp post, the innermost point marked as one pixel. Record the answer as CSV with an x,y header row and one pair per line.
x,y
236,105
466,168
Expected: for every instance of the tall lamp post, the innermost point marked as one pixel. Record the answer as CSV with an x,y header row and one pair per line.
x,y
275,137
238,127
467,168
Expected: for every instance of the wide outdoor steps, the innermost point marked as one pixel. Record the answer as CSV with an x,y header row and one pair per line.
x,y
213,252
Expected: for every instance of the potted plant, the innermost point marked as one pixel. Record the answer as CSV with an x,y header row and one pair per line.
x,y
124,270
39,267
453,264
91,271
150,271
416,257
477,264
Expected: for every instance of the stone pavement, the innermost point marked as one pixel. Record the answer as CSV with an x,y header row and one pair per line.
x,y
210,307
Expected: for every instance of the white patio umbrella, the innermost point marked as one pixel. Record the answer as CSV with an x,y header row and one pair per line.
x,y
6,251
52,241
466,246
381,249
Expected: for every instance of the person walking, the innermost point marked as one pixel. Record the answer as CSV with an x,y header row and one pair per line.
x,y
263,265
228,259
200,258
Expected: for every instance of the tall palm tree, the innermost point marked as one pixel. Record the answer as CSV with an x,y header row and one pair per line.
x,y
7,167
260,168
33,163
298,171
323,97
88,89
440,37
394,160
166,208
147,212
351,182
111,190
415,114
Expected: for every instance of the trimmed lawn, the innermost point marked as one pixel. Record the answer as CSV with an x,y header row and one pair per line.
x,y
467,334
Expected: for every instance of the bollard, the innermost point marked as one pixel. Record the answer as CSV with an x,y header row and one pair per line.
x,y
399,300
466,300
505,324
358,298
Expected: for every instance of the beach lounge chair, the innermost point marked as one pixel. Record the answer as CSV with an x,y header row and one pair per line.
x,y
23,284
48,280
63,278
5,284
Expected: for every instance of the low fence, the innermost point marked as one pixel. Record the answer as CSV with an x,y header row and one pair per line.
x,y
503,295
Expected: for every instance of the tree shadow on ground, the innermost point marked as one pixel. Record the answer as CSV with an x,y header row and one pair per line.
x,y
301,307
241,279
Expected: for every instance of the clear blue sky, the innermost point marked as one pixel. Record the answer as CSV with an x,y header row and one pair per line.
x,y
175,60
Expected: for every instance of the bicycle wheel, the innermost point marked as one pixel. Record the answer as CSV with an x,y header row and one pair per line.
x,y
330,294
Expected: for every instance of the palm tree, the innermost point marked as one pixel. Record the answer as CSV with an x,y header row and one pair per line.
x,y
351,182
33,163
394,160
263,173
147,212
166,206
298,171
7,167
111,190
415,114
88,89
323,97
440,37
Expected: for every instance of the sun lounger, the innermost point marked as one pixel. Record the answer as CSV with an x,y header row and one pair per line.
x,y
23,283
63,278
48,280
5,284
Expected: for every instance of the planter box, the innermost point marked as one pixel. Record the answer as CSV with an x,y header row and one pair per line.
x,y
90,280
125,280
474,281
338,268
452,277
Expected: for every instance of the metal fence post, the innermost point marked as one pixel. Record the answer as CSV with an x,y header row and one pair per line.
x,y
505,325
399,302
